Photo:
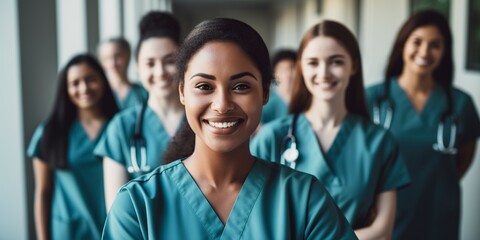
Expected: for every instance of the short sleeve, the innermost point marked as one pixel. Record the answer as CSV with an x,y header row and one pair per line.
x,y
394,173
122,220
113,143
34,146
324,218
471,122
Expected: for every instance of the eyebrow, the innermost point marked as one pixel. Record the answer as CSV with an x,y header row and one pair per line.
x,y
330,57
234,77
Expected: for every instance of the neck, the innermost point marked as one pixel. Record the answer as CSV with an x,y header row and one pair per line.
x,y
327,114
164,106
117,80
413,83
219,169
89,115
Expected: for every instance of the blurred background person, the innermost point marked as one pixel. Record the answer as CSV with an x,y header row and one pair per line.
x,y
137,138
329,133
114,55
68,200
283,64
435,124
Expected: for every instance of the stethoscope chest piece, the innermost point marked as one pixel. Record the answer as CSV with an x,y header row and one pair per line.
x,y
291,154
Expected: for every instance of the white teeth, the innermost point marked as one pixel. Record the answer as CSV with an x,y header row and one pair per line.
x,y
421,62
222,124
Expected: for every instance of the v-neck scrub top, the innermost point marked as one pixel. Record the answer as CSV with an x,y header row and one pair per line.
x,y
273,203
361,163
430,207
115,143
135,97
78,203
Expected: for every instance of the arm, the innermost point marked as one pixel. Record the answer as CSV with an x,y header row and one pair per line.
x,y
114,177
42,198
382,225
465,157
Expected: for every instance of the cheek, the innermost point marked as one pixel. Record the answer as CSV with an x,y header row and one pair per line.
x,y
171,69
144,73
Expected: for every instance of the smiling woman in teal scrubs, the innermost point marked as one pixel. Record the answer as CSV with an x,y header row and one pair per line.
x,y
331,132
221,191
68,200
153,124
114,55
418,86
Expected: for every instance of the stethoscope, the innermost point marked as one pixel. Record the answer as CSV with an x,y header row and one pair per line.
x,y
290,154
439,146
137,143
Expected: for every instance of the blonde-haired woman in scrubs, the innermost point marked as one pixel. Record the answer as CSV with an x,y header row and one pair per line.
x,y
330,130
220,191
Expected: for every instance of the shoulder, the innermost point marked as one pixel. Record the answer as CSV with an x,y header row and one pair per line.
x,y
275,128
288,177
375,90
461,96
278,124
375,135
126,116
150,183
138,87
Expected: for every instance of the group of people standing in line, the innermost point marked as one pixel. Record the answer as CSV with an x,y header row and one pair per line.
x,y
189,156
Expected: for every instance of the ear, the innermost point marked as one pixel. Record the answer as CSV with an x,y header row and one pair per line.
x,y
180,91
266,96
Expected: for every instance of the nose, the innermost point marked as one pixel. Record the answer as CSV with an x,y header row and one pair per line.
x,y
323,71
424,50
222,102
82,86
159,70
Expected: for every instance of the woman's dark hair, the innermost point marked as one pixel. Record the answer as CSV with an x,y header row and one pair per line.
x,y
157,24
355,94
217,30
54,143
283,54
443,74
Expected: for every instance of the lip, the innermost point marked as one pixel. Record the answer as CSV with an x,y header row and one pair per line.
x,y
326,85
422,62
223,126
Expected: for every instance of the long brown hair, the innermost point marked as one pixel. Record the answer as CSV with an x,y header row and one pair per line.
x,y
355,95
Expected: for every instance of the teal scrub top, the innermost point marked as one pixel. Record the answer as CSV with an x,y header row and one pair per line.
x,y
361,163
115,143
274,203
275,107
430,207
135,97
78,203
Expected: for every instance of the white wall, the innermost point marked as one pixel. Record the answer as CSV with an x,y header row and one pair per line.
x,y
380,21
13,223
71,29
468,81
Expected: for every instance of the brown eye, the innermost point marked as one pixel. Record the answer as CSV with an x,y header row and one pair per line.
x,y
204,87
